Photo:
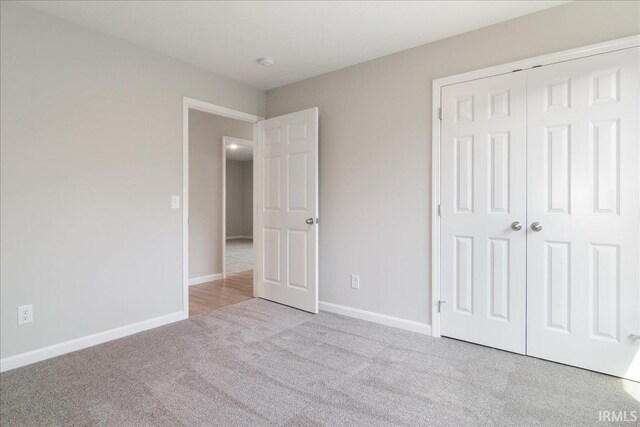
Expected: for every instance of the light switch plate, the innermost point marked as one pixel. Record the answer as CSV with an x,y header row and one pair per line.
x,y
355,281
175,202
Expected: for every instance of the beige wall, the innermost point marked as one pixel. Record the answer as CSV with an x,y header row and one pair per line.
x,y
375,148
91,152
234,198
239,198
205,188
247,198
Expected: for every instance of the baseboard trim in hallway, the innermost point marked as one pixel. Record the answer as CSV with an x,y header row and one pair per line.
x,y
204,279
383,319
37,355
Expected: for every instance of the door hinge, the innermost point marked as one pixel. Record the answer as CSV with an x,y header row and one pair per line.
x,y
439,210
440,302
439,113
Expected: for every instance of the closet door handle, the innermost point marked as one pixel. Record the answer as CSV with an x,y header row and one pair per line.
x,y
516,226
536,226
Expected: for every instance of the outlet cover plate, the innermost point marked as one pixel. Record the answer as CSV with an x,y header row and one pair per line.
x,y
25,314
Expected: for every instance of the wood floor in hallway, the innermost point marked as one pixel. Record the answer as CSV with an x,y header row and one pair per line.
x,y
232,289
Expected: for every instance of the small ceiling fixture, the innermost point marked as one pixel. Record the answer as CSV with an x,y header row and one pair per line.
x,y
266,62
233,146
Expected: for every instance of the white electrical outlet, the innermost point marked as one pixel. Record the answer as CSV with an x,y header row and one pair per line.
x,y
25,314
175,202
355,281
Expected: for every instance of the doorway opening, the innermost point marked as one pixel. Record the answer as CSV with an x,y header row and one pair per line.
x,y
238,200
209,131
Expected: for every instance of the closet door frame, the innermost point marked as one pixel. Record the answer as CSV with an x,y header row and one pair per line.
x,y
512,67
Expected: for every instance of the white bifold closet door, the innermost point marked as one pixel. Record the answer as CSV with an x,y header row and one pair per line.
x,y
483,192
583,188
556,148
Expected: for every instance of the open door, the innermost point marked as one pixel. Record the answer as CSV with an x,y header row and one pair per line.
x,y
286,234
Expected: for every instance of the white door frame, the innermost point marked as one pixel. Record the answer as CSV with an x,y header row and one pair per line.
x,y
521,65
194,104
231,140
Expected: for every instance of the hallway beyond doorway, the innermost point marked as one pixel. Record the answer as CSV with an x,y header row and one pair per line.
x,y
239,255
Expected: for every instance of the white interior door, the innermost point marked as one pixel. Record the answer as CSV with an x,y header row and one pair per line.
x,y
584,180
483,181
286,164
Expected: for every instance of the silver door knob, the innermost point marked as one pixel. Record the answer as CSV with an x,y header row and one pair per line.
x,y
536,226
516,226
309,221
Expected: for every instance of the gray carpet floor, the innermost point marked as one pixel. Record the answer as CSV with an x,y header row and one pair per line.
x,y
260,363
239,255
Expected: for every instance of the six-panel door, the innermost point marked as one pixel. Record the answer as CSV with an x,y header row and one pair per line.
x,y
286,244
583,189
483,186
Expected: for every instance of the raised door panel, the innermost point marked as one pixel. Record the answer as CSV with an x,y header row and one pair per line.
x,y
499,103
298,187
557,166
463,265
557,276
499,278
271,183
499,172
603,136
271,255
298,259
604,283
464,174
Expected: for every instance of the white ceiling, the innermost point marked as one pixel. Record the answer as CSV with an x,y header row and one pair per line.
x,y
305,38
243,153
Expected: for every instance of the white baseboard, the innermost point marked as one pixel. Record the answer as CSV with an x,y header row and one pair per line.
x,y
234,273
205,279
48,352
396,322
239,237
